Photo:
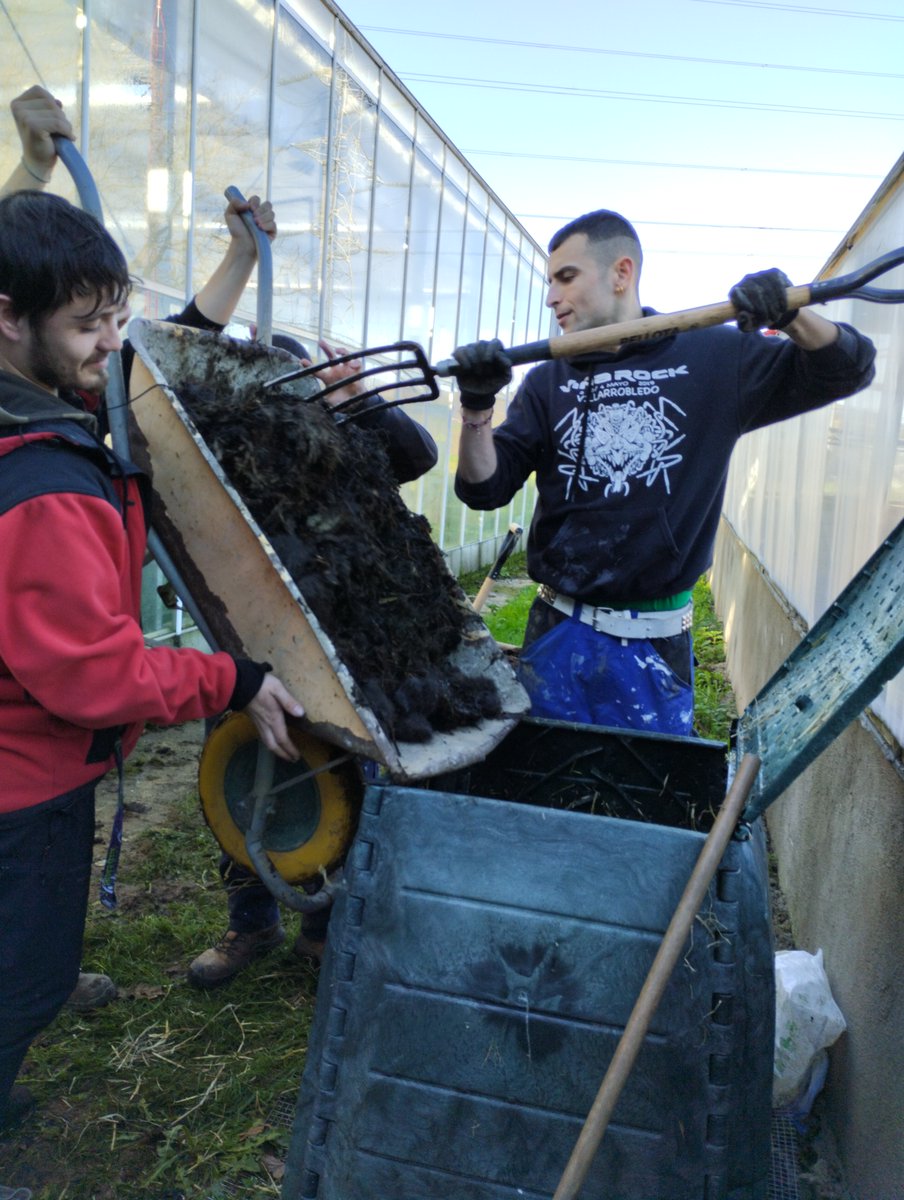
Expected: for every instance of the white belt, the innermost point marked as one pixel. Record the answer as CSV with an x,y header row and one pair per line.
x,y
622,624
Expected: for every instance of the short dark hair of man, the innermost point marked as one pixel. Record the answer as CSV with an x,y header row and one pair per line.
x,y
284,342
601,226
52,253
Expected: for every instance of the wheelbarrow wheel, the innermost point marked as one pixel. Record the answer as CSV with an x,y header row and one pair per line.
x,y
314,813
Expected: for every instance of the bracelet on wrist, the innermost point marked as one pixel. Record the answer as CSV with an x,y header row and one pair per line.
x,y
34,174
477,424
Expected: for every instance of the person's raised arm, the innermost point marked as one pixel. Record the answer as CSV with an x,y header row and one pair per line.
x,y
38,116
218,298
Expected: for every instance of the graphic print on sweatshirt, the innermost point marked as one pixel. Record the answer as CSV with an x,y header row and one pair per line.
x,y
625,431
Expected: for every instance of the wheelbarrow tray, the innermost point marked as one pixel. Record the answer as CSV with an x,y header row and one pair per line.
x,y
249,601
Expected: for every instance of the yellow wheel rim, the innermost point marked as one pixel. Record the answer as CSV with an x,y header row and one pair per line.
x,y
314,818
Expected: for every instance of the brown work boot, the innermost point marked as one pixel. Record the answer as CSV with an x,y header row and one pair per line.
x,y
232,953
309,949
92,991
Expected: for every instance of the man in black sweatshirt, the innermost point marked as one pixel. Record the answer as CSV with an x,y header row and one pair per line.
x,y
631,452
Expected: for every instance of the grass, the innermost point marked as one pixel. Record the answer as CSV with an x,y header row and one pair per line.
x,y
169,1090
714,702
507,623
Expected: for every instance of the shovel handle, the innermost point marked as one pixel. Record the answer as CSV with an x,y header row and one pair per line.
x,y
670,949
643,329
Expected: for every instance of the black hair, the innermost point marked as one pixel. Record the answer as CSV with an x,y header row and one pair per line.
x,y
285,342
52,252
600,226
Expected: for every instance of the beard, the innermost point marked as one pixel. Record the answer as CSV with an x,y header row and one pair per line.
x,y
56,370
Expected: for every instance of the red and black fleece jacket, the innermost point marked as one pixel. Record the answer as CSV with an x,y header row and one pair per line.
x,y
75,673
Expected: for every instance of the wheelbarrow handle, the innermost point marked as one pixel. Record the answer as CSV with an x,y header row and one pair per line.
x,y
115,395
611,337
72,160
264,270
670,949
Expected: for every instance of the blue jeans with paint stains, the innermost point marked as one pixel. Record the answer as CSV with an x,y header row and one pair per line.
x,y
573,673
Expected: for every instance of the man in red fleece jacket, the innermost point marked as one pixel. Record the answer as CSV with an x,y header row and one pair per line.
x,y
38,116
77,682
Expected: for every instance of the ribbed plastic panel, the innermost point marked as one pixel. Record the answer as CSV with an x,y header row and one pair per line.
x,y
482,965
854,648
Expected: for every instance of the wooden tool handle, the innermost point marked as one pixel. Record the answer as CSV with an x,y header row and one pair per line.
x,y
510,541
643,329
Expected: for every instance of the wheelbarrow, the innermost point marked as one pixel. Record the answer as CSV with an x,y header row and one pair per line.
x,y
290,824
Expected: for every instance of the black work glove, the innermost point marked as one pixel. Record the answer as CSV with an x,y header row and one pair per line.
x,y
484,369
760,301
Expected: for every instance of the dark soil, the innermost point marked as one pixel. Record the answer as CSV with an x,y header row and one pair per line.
x,y
326,498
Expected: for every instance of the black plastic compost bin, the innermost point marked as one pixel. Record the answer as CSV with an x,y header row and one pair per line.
x,y
498,926
493,937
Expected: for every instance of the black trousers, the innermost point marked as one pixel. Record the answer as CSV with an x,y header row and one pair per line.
x,y
252,906
45,871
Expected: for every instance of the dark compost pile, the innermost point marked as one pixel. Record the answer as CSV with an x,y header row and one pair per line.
x,y
325,496
602,772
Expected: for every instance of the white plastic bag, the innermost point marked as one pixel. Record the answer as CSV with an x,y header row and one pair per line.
x,y
807,1020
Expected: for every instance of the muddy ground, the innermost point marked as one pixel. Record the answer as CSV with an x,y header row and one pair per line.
x,y
164,764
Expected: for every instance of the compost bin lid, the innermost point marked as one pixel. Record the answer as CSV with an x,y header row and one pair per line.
x,y
855,647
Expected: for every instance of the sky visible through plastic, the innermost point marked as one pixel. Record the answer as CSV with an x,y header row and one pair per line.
x,y
735,134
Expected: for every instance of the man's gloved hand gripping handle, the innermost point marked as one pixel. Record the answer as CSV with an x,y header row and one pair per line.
x,y
484,370
760,301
